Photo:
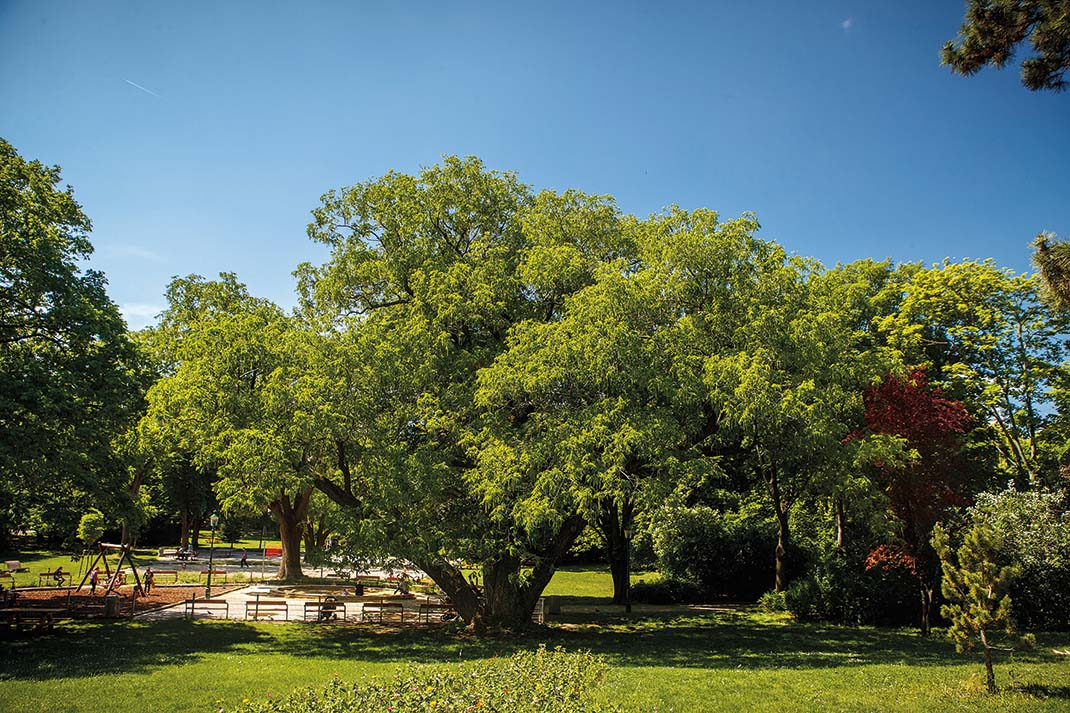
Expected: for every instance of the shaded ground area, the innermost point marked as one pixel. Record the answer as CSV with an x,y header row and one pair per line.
x,y
717,640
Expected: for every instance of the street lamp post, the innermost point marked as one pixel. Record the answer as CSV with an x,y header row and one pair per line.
x,y
211,557
628,570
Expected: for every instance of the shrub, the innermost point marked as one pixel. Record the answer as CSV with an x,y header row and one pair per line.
x,y
840,590
552,681
728,555
1033,529
772,602
667,591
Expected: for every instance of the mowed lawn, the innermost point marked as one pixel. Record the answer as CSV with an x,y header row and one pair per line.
x,y
661,659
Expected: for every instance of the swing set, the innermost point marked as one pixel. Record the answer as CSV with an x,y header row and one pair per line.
x,y
114,581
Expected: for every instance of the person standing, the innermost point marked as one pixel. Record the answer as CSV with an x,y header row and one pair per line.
x,y
149,580
93,576
244,559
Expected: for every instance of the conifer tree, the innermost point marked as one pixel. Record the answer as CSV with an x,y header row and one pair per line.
x,y
975,586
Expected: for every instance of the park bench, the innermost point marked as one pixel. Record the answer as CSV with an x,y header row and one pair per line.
x,y
49,575
14,566
8,575
207,606
368,581
168,552
267,609
37,619
316,611
430,613
382,612
166,572
216,573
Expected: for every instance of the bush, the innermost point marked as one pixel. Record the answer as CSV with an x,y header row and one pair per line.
x,y
772,602
842,591
1033,530
552,681
727,555
667,591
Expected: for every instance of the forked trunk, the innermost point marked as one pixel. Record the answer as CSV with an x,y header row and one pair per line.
x,y
507,599
926,607
290,516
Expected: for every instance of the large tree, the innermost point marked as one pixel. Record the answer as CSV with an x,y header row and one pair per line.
x,y
993,29
232,401
988,340
427,276
71,380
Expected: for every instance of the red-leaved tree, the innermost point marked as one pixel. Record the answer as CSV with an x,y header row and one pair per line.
x,y
936,480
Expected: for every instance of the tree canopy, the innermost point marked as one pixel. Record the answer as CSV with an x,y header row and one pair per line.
x,y
993,29
71,378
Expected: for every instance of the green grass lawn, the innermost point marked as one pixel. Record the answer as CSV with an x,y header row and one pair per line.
x,y
660,659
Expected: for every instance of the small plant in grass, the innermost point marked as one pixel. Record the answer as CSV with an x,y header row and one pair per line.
x,y
976,589
541,680
772,601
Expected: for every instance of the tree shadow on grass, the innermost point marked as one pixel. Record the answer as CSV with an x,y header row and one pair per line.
x,y
90,649
1037,690
722,640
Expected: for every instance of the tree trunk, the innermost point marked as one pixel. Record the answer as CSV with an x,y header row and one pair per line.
x,y
990,676
612,524
196,534
926,607
508,599
290,516
315,536
183,537
782,545
841,523
134,490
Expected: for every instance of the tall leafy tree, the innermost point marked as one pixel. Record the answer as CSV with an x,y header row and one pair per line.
x,y
71,380
232,401
993,29
427,276
989,341
791,390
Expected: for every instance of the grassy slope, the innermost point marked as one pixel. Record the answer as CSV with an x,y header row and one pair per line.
x,y
697,661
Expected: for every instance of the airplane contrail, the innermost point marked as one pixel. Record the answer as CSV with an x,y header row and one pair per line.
x,y
138,86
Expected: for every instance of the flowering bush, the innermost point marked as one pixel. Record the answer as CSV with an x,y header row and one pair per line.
x,y
551,681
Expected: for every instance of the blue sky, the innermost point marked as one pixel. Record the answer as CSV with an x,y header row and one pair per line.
x,y
198,136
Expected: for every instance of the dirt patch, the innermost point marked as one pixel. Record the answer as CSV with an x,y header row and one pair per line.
x,y
84,605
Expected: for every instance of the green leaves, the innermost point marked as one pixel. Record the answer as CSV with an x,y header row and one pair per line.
x,y
71,379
